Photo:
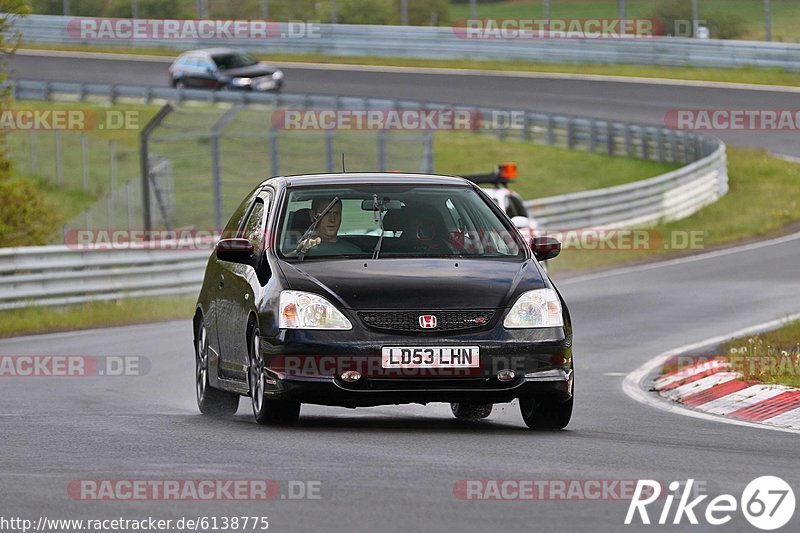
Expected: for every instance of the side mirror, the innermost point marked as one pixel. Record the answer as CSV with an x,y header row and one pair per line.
x,y
545,248
521,222
235,250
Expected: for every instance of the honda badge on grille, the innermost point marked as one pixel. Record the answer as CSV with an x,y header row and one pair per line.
x,y
427,321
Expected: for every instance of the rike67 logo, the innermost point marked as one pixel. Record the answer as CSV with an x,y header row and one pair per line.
x,y
767,502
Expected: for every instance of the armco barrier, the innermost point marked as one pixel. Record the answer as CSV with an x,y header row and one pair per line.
x,y
445,43
60,275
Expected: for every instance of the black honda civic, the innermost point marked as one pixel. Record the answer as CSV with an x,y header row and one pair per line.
x,y
366,289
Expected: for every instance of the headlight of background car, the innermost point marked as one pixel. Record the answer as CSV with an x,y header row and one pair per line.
x,y
305,310
240,82
540,308
277,75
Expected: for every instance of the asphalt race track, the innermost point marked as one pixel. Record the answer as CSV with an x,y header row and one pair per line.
x,y
394,468
625,101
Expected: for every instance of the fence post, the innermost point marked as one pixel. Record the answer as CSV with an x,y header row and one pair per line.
x,y
610,138
128,207
112,160
643,142
382,150
216,166
85,160
273,152
428,153
628,145
570,133
33,152
660,144
526,124
144,161
59,162
109,210
329,162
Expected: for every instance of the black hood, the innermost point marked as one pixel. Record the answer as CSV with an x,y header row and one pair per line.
x,y
253,71
415,283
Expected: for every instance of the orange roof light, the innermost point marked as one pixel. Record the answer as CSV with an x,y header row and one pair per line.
x,y
507,171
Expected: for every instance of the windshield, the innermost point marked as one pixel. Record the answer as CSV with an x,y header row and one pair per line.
x,y
228,61
419,221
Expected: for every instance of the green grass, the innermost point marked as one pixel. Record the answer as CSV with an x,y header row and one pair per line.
x,y
763,199
759,76
544,170
94,315
771,357
785,13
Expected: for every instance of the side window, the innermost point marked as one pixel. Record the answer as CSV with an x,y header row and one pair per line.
x,y
232,227
254,228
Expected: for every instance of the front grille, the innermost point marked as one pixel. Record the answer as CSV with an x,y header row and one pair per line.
x,y
409,320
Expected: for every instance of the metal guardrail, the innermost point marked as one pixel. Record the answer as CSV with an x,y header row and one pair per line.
x,y
670,196
58,275
62,275
447,43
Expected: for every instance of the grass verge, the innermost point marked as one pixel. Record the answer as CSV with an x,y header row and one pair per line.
x,y
758,76
771,357
544,170
762,201
94,315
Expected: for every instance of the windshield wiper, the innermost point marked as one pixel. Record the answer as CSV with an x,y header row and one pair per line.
x,y
313,228
379,211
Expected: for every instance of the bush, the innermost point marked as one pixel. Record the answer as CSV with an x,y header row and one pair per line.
x,y
26,218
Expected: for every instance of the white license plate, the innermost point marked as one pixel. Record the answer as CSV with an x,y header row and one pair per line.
x,y
430,357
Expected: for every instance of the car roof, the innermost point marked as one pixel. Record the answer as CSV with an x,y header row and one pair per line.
x,y
358,178
213,51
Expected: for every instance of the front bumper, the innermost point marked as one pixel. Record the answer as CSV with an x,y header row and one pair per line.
x,y
308,366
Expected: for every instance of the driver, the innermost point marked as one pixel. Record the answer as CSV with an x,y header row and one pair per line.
x,y
325,239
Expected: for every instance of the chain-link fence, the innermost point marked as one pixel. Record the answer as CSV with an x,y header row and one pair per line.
x,y
202,160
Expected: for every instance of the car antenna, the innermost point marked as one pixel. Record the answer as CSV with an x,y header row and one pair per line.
x,y
343,169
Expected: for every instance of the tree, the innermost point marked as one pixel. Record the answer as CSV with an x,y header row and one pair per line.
x,y
9,41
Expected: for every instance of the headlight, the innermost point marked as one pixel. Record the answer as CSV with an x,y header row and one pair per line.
x,y
241,82
535,309
277,75
305,310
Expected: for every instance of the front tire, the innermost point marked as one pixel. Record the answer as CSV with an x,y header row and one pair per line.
x,y
471,411
210,401
267,412
546,412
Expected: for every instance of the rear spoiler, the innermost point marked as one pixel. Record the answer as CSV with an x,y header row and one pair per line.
x,y
503,174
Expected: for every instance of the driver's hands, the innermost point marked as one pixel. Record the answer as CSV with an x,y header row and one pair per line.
x,y
305,245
